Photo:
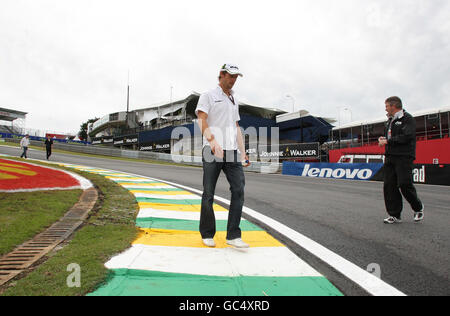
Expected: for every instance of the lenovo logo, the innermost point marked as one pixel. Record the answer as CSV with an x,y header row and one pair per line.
x,y
337,173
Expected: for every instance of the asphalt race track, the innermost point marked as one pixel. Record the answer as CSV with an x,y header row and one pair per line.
x,y
344,216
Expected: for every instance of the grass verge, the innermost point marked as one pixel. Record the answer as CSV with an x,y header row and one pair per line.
x,y
26,214
109,230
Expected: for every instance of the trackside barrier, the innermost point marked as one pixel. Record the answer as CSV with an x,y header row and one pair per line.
x,y
422,173
13,137
357,171
260,167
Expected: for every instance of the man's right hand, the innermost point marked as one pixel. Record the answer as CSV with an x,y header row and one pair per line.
x,y
216,149
382,141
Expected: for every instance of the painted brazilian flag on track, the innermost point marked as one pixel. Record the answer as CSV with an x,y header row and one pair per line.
x,y
169,259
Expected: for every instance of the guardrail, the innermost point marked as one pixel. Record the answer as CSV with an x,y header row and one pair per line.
x,y
260,167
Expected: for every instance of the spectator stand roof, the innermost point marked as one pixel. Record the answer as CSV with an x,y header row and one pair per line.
x,y
11,115
384,119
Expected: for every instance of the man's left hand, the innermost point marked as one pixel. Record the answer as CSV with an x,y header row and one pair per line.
x,y
245,161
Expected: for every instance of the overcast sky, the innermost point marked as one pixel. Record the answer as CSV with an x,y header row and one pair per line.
x,y
66,61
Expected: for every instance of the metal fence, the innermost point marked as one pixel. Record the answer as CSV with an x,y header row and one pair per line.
x,y
428,127
273,166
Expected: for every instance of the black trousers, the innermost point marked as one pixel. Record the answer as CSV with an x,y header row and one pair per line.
x,y
398,182
24,153
212,167
49,152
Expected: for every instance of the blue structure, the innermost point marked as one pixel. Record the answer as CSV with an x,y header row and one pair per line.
x,y
308,129
156,124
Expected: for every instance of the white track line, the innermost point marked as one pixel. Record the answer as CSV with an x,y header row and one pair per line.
x,y
264,261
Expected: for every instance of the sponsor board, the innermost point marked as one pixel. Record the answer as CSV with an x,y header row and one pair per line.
x,y
421,174
102,140
156,146
425,174
358,171
305,151
126,140
108,140
96,142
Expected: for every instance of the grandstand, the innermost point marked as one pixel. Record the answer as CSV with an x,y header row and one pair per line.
x,y
11,121
433,135
150,129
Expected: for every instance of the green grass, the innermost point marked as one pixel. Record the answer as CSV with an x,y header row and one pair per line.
x,y
107,232
24,215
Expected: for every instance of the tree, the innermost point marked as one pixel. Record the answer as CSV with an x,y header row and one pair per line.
x,y
82,134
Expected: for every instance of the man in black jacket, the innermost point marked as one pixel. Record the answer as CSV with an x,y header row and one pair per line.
x,y
400,142
48,146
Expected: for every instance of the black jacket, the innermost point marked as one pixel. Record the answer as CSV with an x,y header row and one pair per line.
x,y
403,137
49,143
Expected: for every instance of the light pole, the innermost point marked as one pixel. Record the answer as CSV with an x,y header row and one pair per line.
x,y
293,102
345,109
339,120
171,106
351,114
128,102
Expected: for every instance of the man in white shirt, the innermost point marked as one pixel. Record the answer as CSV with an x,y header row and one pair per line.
x,y
24,143
218,117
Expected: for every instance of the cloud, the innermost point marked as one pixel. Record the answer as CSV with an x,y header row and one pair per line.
x,y
67,61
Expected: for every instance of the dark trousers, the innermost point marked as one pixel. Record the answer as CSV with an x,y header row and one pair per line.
x,y
398,181
232,167
49,152
24,153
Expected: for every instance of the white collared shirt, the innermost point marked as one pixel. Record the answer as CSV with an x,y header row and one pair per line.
x,y
397,116
222,117
25,142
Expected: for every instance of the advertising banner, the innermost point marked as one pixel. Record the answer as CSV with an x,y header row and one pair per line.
x,y
304,151
97,141
161,146
355,171
126,140
109,140
422,174
425,174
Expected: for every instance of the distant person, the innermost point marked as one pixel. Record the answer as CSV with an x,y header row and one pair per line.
x,y
48,146
400,142
24,143
218,117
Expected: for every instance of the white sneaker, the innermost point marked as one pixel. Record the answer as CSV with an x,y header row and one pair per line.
x,y
418,216
392,220
209,242
237,243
